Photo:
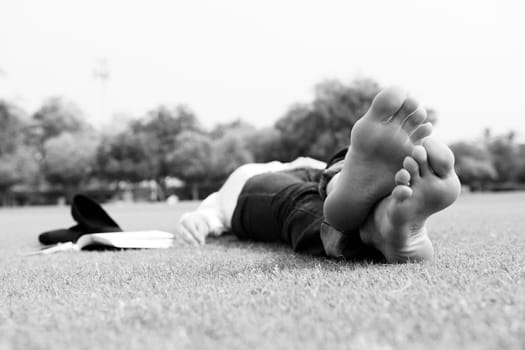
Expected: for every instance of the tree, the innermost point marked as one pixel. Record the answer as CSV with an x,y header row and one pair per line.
x,y
26,165
13,124
17,160
157,133
192,159
200,158
69,160
520,164
504,153
126,157
265,145
8,176
237,127
474,164
229,152
57,115
323,126
19,167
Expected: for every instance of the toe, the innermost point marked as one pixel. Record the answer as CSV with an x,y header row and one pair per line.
x,y
412,167
387,102
421,132
401,192
402,177
440,157
408,107
420,155
413,120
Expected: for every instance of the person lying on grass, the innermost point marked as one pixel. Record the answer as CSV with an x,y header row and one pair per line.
x,y
370,201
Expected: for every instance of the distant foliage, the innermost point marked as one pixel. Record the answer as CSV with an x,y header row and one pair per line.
x,y
57,116
55,149
474,164
18,159
491,163
142,151
265,145
13,121
69,159
320,128
192,159
126,157
229,152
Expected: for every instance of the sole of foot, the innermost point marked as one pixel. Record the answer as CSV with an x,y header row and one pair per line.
x,y
379,142
425,185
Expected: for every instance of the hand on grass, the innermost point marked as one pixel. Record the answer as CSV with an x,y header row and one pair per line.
x,y
193,228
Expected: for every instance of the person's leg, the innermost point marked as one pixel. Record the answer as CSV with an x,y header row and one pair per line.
x,y
228,194
287,207
379,141
426,184
280,207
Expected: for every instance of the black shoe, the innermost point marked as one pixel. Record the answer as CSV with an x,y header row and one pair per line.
x,y
89,215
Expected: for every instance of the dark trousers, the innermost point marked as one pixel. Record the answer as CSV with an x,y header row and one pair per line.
x,y
287,207
282,207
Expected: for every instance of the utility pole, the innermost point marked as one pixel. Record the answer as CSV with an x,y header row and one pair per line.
x,y
102,74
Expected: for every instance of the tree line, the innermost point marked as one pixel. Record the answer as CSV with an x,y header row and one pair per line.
x,y
493,162
55,151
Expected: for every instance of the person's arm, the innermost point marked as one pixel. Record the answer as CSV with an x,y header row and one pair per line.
x,y
206,220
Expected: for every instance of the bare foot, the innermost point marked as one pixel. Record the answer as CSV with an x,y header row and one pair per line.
x,y
379,142
426,184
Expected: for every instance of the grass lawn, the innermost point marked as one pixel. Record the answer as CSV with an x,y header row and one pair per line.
x,y
231,294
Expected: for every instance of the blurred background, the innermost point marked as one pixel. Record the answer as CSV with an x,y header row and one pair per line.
x,y
161,100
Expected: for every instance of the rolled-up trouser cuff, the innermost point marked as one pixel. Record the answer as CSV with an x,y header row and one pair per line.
x,y
347,245
327,175
334,241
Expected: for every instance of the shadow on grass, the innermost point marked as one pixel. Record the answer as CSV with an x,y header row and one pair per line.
x,y
282,256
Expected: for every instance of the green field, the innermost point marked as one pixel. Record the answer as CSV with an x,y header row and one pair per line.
x,y
231,294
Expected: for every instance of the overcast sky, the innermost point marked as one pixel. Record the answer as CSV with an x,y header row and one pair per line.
x,y
253,59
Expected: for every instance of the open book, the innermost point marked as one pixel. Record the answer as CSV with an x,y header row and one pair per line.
x,y
114,240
